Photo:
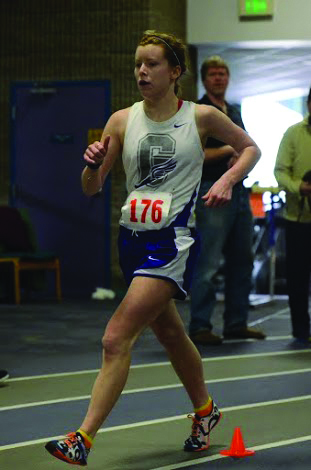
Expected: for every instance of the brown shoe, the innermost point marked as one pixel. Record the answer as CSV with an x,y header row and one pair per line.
x,y
244,333
206,337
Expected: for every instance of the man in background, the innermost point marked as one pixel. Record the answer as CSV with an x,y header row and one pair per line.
x,y
226,232
293,173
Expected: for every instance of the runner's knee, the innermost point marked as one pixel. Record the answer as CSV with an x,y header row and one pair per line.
x,y
169,336
115,345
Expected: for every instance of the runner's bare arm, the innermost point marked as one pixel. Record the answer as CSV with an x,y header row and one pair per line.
x,y
104,153
214,123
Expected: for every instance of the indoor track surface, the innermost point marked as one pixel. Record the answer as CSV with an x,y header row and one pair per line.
x,y
53,351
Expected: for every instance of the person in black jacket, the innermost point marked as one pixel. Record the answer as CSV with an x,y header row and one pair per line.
x,y
225,231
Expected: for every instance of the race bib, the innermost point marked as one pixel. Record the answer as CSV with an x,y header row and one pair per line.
x,y
146,210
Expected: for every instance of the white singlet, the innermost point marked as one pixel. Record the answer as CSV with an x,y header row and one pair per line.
x,y
163,165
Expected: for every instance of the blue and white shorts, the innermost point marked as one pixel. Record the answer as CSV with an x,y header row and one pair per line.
x,y
169,253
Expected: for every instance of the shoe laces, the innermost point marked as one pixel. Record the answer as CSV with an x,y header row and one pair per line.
x,y
196,425
72,439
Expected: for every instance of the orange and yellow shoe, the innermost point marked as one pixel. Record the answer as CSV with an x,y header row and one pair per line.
x,y
74,448
201,429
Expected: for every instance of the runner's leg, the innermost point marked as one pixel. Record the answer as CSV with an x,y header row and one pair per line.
x,y
184,356
145,300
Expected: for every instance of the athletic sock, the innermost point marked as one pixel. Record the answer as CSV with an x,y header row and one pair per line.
x,y
205,409
88,439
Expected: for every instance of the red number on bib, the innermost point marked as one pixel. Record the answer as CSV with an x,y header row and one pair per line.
x,y
133,210
147,203
156,214
156,210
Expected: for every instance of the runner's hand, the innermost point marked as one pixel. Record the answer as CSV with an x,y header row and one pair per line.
x,y
96,152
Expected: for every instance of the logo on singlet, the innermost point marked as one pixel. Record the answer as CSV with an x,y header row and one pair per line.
x,y
179,125
155,159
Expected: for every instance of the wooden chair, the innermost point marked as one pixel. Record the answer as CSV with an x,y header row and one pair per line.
x,y
17,247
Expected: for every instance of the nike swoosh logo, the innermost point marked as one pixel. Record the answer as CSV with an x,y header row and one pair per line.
x,y
179,125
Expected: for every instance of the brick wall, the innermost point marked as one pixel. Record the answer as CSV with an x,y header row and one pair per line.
x,y
86,40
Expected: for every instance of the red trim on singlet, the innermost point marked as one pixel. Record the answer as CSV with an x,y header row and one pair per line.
x,y
180,102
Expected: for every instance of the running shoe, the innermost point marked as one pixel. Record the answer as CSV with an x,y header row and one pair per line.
x,y
73,449
201,428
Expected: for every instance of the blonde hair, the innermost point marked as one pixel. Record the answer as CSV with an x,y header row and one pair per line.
x,y
213,61
174,50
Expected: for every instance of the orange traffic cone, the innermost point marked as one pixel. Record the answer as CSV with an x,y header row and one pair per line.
x,y
237,448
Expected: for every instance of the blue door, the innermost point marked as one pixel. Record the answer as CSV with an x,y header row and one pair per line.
x,y
51,125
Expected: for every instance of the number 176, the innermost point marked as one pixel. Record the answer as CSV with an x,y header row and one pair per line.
x,y
155,207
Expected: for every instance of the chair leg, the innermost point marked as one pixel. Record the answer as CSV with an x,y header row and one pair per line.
x,y
17,283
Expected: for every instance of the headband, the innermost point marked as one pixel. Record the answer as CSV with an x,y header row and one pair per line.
x,y
170,47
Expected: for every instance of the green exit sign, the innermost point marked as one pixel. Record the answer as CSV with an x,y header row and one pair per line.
x,y
256,8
